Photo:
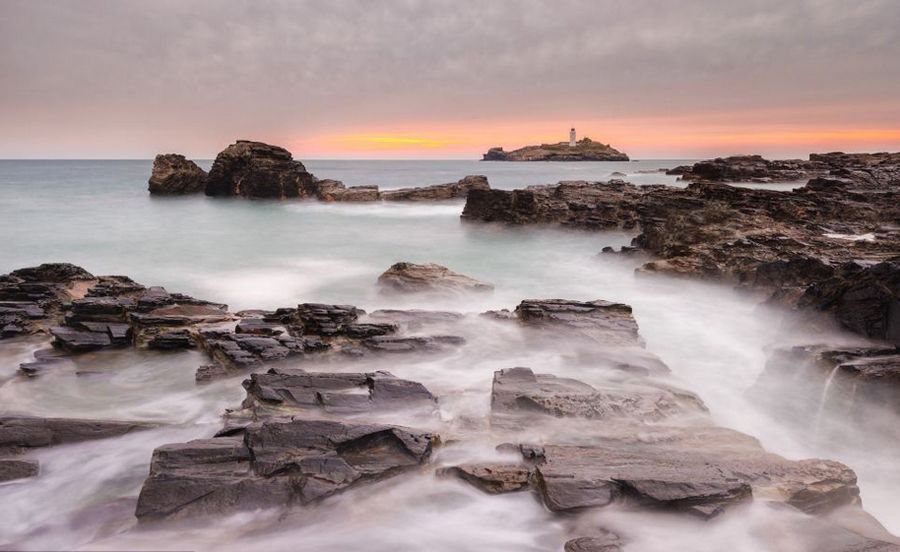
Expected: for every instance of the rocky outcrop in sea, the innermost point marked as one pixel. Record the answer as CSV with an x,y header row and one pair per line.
x,y
583,150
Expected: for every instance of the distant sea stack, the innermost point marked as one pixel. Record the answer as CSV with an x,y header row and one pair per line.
x,y
581,150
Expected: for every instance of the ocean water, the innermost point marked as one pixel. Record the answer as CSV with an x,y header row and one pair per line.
x,y
266,254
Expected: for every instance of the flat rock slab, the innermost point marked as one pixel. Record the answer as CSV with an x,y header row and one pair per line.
x,y
602,321
275,463
14,468
414,344
521,391
238,351
406,277
292,390
17,432
698,470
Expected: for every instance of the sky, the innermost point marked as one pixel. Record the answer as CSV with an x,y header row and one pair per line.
x,y
447,79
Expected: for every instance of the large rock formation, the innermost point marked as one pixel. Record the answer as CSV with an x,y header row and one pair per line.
x,y
584,150
752,168
839,233
439,192
175,175
258,170
406,277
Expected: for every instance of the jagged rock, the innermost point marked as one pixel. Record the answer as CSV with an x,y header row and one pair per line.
x,y
275,463
24,432
601,321
175,175
521,391
238,351
584,150
406,277
210,372
258,170
864,299
753,168
598,205
324,320
345,393
57,273
12,469
439,192
491,478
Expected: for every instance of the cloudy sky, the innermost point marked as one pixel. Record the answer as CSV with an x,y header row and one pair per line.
x,y
436,79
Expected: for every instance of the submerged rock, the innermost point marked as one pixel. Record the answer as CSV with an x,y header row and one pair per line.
x,y
13,468
406,277
275,463
491,478
521,391
24,432
175,175
258,170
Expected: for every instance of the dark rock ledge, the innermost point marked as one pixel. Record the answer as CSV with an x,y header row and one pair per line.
x,y
261,171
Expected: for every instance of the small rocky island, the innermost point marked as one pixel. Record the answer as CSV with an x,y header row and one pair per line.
x,y
581,150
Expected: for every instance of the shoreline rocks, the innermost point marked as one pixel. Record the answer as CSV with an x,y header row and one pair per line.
x,y
584,150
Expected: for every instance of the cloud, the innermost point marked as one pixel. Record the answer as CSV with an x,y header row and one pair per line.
x,y
141,76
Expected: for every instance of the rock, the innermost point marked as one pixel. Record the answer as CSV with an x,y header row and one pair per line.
x,y
238,351
701,471
275,463
416,344
41,365
609,542
362,331
438,192
595,205
78,341
417,317
324,320
864,299
584,150
57,273
175,175
601,321
12,469
753,168
521,391
334,190
258,170
176,339
295,390
406,277
258,326
491,478
23,432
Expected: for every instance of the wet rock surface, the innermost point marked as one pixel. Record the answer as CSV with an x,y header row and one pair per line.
x,y
174,175
406,277
275,463
602,321
25,432
14,468
293,390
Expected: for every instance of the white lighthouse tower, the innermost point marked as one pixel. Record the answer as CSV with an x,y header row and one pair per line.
x,y
572,137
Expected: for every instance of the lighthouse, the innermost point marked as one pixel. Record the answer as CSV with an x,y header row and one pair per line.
x,y
572,137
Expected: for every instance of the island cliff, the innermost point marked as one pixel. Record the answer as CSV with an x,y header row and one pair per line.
x,y
583,150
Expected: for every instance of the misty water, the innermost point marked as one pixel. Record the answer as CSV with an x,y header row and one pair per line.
x,y
262,254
